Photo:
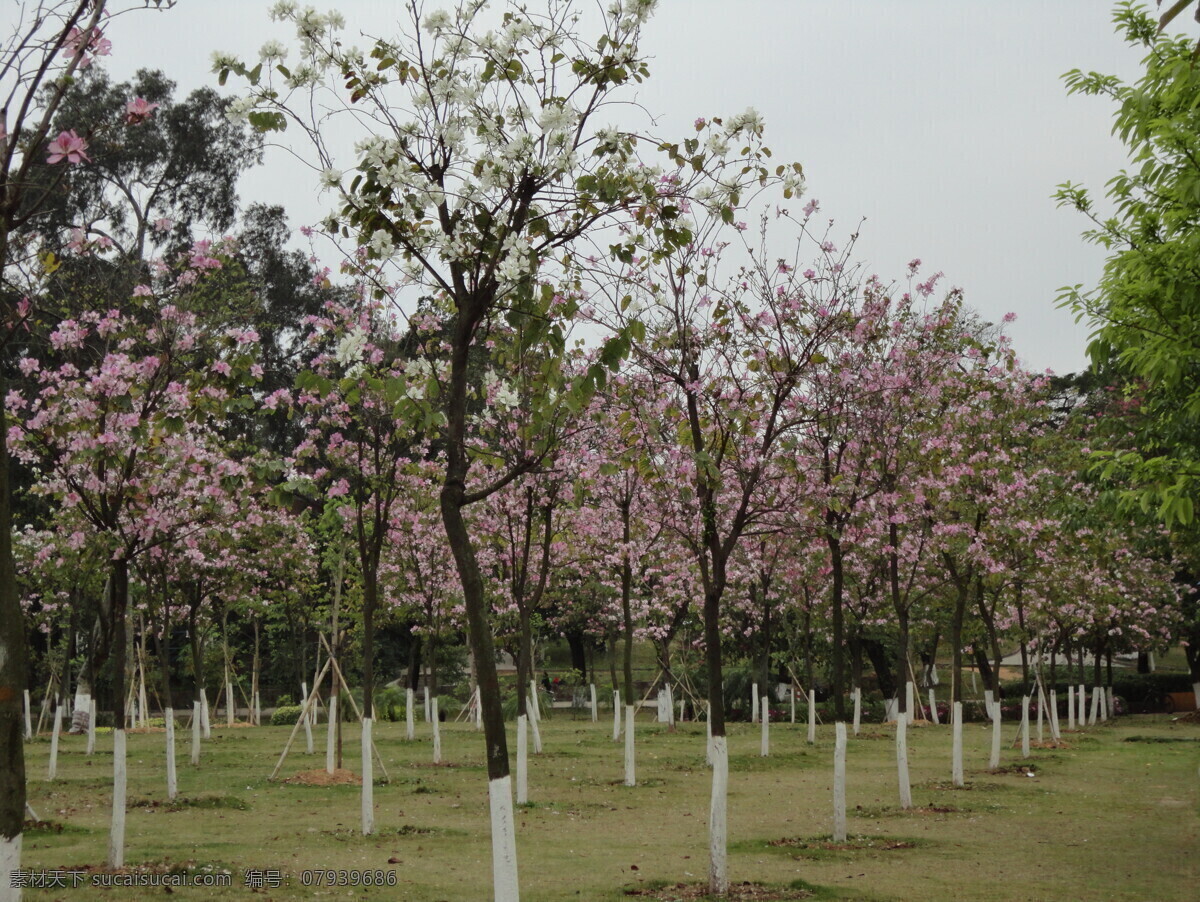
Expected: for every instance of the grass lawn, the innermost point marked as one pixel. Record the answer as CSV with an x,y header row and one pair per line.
x,y
1116,816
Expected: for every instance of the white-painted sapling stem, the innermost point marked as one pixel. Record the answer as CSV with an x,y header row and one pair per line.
x,y
839,782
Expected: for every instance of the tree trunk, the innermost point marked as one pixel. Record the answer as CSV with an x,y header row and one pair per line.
x,y
837,574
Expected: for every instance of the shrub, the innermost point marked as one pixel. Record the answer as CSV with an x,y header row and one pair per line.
x,y
285,715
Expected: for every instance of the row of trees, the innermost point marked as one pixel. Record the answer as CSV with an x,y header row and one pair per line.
x,y
557,363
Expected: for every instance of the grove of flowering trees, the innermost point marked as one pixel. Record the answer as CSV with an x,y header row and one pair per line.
x,y
570,381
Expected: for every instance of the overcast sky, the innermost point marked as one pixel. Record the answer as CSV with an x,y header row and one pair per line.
x,y
943,123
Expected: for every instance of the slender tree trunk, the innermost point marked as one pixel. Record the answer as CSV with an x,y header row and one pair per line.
x,y
12,672
120,605
837,576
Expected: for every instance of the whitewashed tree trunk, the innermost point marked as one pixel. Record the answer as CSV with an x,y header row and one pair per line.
x,y
616,715
504,841
1111,709
306,708
592,696
91,734
857,708
1025,726
1070,707
116,836
630,776
708,740
793,701
143,700
839,782
812,716
28,735
437,732
718,825
368,780
956,762
535,710
1094,713
670,706
52,770
1195,693
1055,733
1081,700
306,717
534,721
522,759
331,736
257,709
1041,711
891,707
988,701
172,777
910,700
933,715
205,723
10,863
902,760
1103,703
230,707
83,708
1153,667
754,703
994,759
410,714
426,703
478,709
765,744
196,730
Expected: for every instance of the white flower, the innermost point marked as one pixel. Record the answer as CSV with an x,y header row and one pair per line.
x,y
381,243
557,117
282,10
331,178
749,121
438,20
239,109
350,348
272,50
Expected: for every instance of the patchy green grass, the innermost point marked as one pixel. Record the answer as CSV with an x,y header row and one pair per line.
x,y
1116,816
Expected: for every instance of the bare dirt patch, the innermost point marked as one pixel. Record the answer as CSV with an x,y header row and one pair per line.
x,y
859,843
737,893
322,778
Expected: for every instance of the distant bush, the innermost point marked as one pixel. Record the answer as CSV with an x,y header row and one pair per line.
x,y
285,715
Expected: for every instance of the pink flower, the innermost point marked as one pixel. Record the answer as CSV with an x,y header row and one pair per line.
x,y
164,224
67,146
138,110
143,291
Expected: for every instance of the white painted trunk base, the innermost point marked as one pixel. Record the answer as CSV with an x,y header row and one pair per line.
x,y
29,733
426,704
1195,692
839,782
1081,701
988,701
410,715
230,708
91,740
437,732
956,762
718,823
902,760
933,715
708,744
1055,733
812,716
1025,726
258,709
10,863
504,841
616,715
630,772
308,742
754,703
595,709
368,780
891,707
172,777
994,758
522,759
535,713
116,836
1095,709
52,769
196,728
82,711
857,708
205,723
910,700
307,709
765,744
331,736
1070,707
1103,704
533,723
670,706
1112,702
1041,713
